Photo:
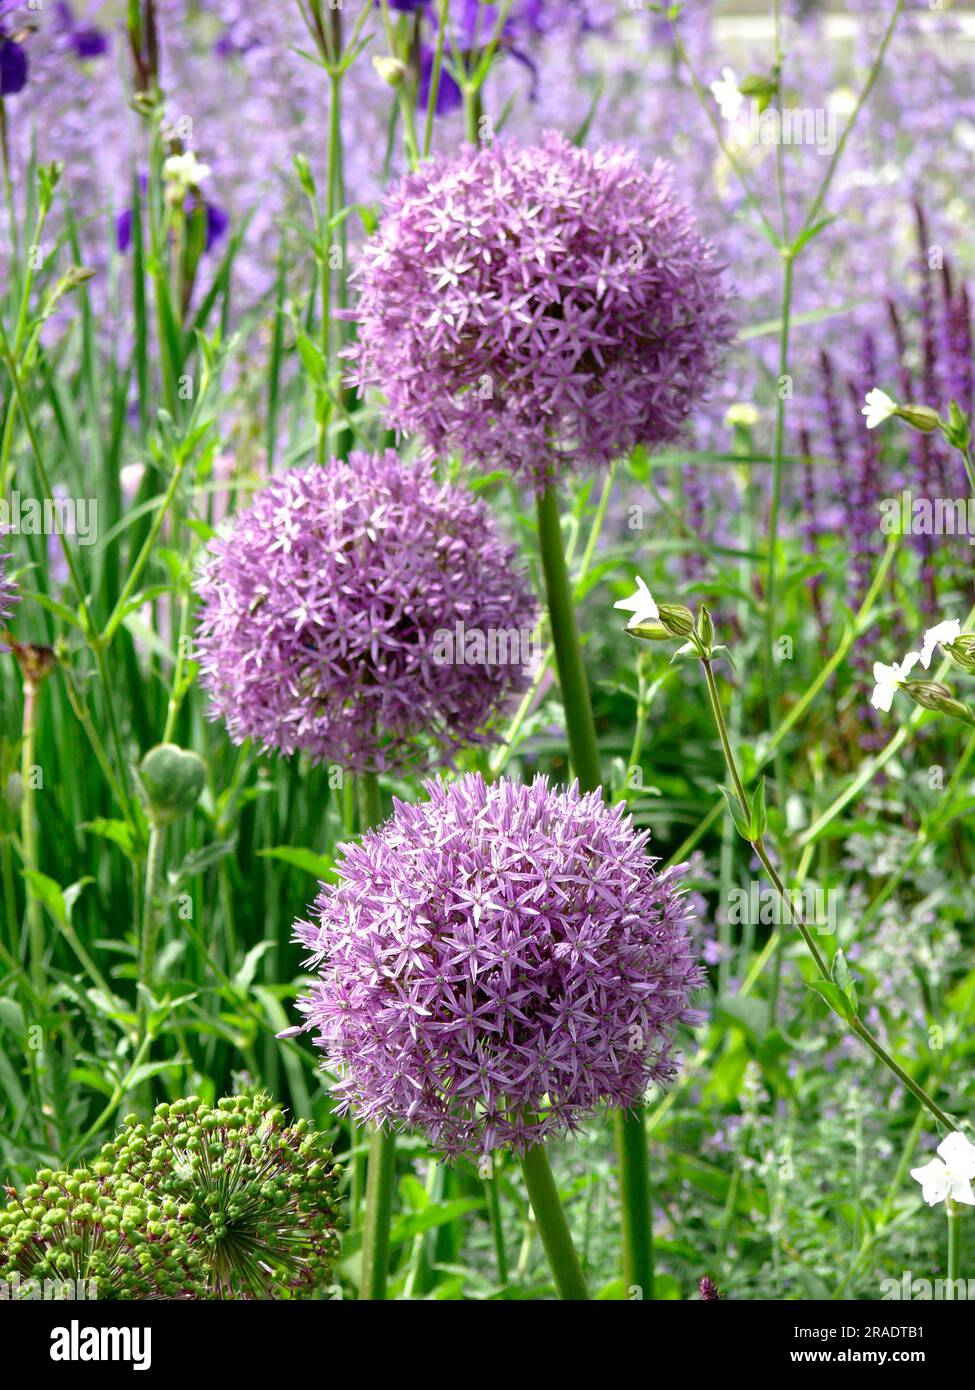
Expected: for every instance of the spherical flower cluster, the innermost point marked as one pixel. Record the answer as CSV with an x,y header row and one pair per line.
x,y
8,595
96,1232
330,615
496,963
538,307
257,1196
204,1203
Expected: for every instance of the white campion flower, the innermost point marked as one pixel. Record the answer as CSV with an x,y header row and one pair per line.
x,y
879,407
184,171
939,635
726,94
888,678
951,1174
640,604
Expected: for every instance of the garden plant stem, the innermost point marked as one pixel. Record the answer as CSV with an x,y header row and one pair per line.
x,y
28,833
758,844
954,1244
552,1225
632,1151
150,925
381,1170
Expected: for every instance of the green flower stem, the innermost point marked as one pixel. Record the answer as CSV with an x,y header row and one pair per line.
x,y
382,1144
435,78
631,1146
954,1245
379,1211
406,95
150,923
580,725
492,1196
861,621
552,1225
874,765
758,845
632,1156
28,837
499,759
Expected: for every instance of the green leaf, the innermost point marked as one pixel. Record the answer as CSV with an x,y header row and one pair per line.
x,y
751,1015
840,972
834,996
120,832
433,1216
737,814
759,813
46,891
319,865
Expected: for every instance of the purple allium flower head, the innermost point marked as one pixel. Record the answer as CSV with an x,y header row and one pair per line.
x,y
330,614
539,307
496,963
8,593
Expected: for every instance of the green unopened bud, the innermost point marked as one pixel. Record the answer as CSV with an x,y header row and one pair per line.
x,y
650,632
935,696
741,416
920,417
962,651
305,177
172,780
705,628
676,619
390,69
958,430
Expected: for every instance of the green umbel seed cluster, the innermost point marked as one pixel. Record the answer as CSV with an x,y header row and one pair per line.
x,y
224,1201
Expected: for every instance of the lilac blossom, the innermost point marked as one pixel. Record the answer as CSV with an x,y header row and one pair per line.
x,y
496,963
539,307
330,611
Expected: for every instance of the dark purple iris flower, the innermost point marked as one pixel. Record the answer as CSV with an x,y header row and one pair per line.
x,y
13,67
86,40
218,220
123,229
89,43
449,96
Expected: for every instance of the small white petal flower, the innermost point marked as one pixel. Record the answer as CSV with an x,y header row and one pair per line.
x,y
879,407
941,634
888,678
934,1180
951,1174
640,604
185,171
726,94
958,1153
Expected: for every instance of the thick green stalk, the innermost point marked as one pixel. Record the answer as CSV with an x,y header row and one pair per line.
x,y
631,1146
580,725
379,1210
552,1225
382,1145
632,1157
